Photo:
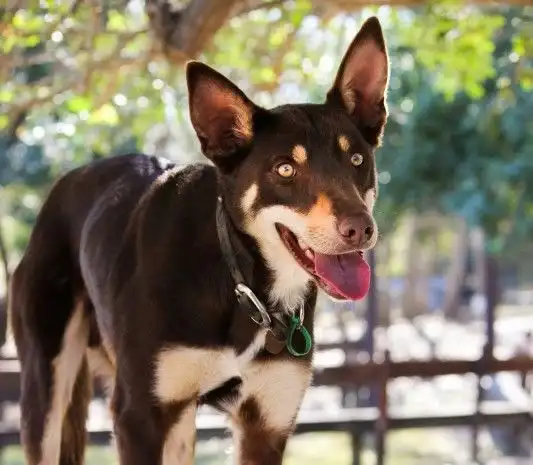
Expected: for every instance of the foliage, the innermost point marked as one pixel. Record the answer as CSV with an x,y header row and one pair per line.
x,y
469,157
85,79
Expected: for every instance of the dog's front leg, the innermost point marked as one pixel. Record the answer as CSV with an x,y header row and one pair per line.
x,y
138,431
180,436
264,418
151,433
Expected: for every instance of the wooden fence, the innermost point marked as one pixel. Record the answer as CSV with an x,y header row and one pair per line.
x,y
359,422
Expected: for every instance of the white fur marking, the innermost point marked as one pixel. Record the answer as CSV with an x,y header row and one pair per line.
x,y
101,366
370,199
184,372
251,351
290,280
249,198
180,441
65,371
278,387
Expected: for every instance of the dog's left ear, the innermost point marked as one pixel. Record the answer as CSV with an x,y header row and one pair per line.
x,y
362,80
221,114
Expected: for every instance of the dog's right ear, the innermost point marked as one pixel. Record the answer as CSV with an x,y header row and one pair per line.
x,y
221,114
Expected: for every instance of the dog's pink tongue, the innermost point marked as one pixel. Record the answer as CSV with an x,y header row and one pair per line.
x,y
347,274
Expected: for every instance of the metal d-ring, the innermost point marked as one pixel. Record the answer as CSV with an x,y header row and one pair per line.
x,y
265,320
301,314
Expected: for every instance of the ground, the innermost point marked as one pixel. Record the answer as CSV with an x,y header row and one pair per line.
x,y
406,448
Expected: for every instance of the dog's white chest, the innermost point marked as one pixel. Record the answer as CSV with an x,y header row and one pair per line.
x,y
184,372
245,357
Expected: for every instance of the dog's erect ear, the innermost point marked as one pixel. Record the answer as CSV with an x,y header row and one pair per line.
x,y
221,114
362,79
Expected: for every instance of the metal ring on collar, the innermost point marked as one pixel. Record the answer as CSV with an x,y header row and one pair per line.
x,y
265,321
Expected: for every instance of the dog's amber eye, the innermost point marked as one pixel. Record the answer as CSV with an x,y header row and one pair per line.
x,y
356,159
286,170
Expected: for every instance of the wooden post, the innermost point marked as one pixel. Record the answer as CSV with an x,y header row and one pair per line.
x,y
367,340
382,422
366,343
490,285
526,375
357,446
487,286
481,370
3,322
371,305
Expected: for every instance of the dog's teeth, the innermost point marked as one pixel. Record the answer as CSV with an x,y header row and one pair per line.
x,y
309,254
302,244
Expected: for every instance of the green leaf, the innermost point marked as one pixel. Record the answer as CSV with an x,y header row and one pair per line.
x,y
106,114
8,43
26,21
78,104
4,121
32,41
116,21
6,95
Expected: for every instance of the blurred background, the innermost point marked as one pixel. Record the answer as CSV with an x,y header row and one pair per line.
x,y
432,367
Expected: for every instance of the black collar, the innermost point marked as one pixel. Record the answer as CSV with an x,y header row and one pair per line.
x,y
275,322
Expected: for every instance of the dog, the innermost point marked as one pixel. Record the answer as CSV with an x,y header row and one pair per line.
x,y
191,285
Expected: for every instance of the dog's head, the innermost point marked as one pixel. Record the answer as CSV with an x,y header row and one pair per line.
x,y
301,179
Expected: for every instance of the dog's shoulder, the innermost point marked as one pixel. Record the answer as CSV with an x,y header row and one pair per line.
x,y
180,192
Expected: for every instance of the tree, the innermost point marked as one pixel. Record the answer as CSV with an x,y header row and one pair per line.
x,y
96,53
467,156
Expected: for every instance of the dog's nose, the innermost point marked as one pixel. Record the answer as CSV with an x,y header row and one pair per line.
x,y
356,230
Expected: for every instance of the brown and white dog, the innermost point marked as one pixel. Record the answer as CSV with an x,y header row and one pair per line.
x,y
132,267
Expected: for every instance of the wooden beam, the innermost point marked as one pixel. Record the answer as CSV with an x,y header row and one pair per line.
x,y
351,420
346,375
362,374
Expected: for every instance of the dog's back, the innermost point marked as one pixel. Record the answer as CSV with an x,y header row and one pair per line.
x,y
51,259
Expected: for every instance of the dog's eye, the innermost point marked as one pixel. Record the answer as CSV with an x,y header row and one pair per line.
x,y
356,159
286,170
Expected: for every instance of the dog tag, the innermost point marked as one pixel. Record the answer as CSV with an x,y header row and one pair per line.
x,y
273,345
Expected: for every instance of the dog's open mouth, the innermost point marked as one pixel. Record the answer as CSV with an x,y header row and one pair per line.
x,y
345,276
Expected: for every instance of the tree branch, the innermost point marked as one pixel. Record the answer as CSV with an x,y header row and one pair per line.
x,y
244,8
354,5
76,82
185,33
278,58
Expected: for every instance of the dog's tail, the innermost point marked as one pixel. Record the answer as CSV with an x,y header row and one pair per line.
x,y
50,320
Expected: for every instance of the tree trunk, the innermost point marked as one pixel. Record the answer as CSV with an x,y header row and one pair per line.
x,y
456,271
384,300
413,303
